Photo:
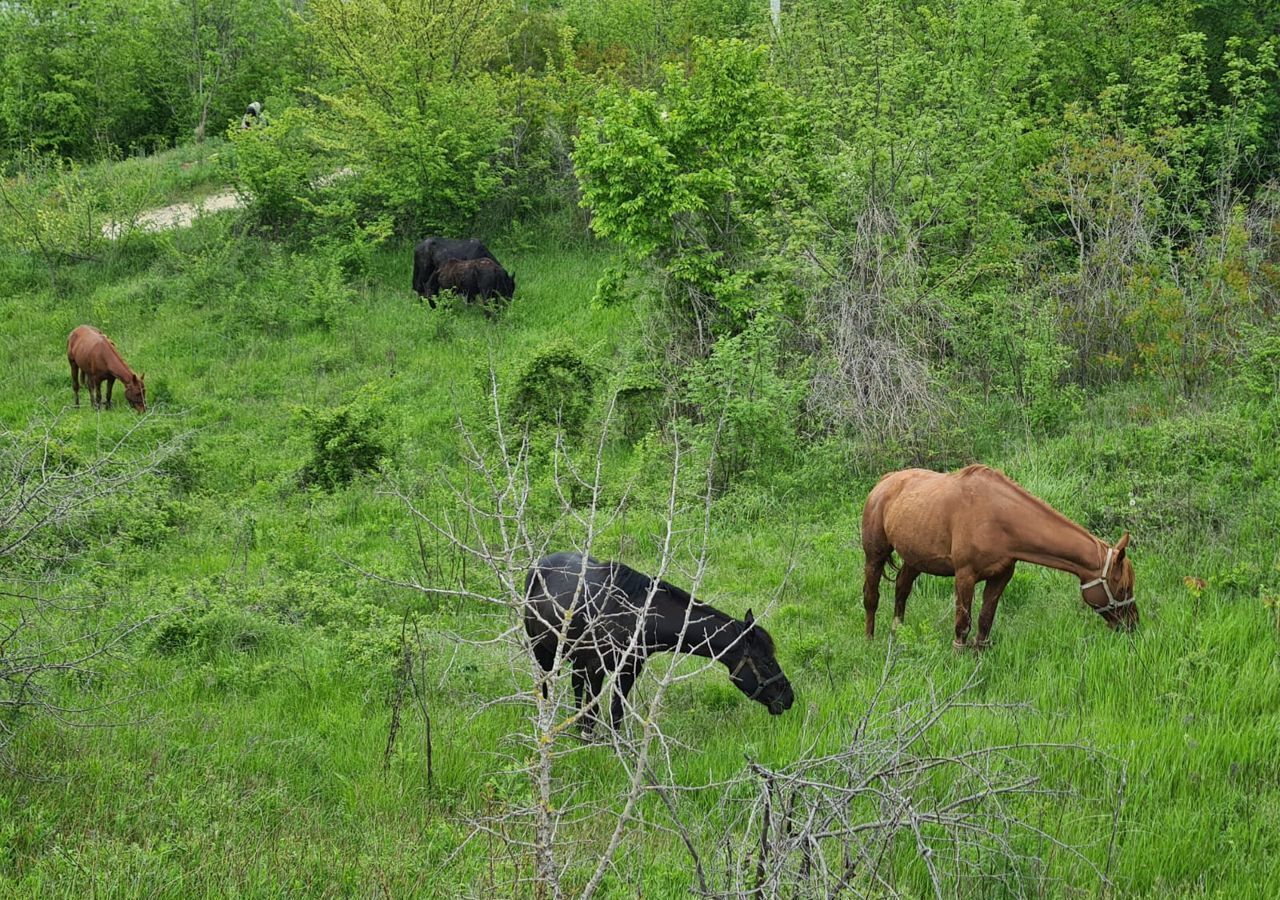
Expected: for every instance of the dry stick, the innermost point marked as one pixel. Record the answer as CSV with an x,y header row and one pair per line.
x,y
402,675
1105,884
420,694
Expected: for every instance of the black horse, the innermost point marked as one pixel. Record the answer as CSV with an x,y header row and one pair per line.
x,y
606,600
433,252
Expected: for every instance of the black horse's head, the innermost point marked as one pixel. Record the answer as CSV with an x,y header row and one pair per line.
x,y
756,672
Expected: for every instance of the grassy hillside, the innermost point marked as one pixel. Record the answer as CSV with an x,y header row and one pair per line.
x,y
243,732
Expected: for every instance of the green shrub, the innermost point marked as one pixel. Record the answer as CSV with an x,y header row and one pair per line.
x,y
277,166
749,403
554,388
345,441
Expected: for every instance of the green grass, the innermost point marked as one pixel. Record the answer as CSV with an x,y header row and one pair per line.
x,y
253,765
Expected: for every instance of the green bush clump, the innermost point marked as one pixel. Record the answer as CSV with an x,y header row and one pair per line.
x,y
345,441
555,388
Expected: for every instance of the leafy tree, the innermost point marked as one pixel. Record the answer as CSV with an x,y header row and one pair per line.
x,y
687,179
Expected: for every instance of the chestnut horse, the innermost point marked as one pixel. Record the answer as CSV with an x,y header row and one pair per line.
x,y
976,524
94,359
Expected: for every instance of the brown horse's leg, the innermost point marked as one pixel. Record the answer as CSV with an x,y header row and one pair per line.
x,y
75,380
990,597
871,591
95,391
965,583
902,590
111,382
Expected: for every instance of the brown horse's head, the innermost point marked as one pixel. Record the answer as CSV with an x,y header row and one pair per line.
x,y
135,391
1111,593
757,672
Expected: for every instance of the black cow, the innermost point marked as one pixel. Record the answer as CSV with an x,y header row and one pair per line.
x,y
472,278
432,253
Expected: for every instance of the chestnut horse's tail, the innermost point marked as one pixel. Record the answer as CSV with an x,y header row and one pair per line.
x,y
891,568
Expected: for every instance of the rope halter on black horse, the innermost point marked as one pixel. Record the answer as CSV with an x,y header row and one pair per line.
x,y
761,684
1112,602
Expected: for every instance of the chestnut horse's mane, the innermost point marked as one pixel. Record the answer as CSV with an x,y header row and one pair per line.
x,y
977,470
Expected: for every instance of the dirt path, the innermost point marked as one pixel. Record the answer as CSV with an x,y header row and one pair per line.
x,y
179,215
182,215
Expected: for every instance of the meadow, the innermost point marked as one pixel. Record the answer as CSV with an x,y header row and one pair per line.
x,y
237,741
265,640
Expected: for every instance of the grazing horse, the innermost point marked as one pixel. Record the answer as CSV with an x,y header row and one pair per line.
x,y
472,278
94,359
433,252
975,525
612,618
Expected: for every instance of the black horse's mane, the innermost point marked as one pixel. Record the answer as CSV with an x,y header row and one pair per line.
x,y
638,584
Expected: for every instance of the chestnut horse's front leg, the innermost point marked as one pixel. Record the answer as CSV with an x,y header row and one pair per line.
x,y
965,583
990,597
111,382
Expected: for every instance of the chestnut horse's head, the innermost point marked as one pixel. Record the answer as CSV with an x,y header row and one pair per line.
x,y
757,673
1111,593
135,391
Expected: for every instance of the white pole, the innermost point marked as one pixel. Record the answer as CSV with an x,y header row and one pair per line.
x,y
775,10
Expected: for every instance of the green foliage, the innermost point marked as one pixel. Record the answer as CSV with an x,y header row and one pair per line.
x,y
1011,348
416,113
554,388
100,77
684,177
750,404
345,440
278,166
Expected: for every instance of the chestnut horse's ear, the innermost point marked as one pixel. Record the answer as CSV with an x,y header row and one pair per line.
x,y
749,619
1122,546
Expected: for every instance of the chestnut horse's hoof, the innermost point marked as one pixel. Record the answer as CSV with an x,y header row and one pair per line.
x,y
959,645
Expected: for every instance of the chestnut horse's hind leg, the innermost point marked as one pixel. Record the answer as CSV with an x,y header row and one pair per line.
x,y
990,597
965,583
75,380
902,590
871,591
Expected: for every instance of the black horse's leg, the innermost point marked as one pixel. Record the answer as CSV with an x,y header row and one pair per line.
x,y
871,591
902,590
587,681
990,597
545,654
627,676
965,583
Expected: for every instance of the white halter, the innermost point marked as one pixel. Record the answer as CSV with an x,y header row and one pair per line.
x,y
1112,603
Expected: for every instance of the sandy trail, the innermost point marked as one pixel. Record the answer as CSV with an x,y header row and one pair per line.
x,y
179,215
182,215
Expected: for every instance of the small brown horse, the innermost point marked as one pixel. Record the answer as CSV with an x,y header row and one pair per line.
x,y
94,359
975,525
